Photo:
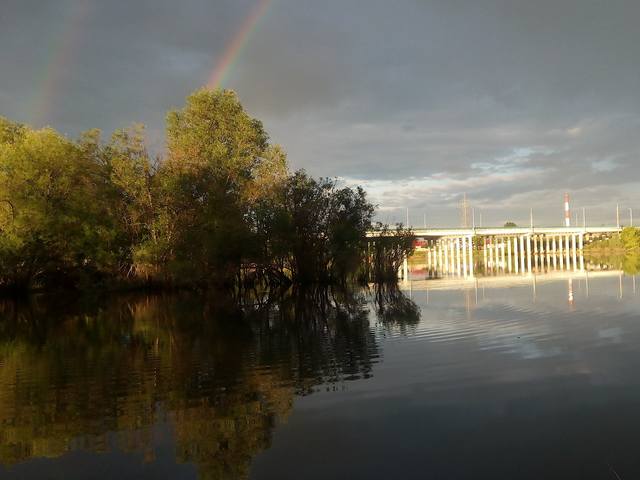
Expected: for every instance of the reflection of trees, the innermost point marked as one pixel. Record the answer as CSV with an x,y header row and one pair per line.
x,y
628,262
393,306
71,373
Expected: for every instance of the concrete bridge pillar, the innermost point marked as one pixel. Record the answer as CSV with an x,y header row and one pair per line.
x,y
405,269
470,239
516,257
568,250
490,247
445,249
452,255
509,264
464,255
485,247
458,255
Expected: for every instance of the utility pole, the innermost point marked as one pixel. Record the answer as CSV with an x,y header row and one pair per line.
x,y
425,220
464,211
631,217
584,217
473,218
531,214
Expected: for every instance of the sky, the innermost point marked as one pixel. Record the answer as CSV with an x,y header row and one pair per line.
x,y
511,102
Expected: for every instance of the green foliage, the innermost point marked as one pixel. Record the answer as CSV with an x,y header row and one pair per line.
x,y
630,238
388,251
50,221
510,225
627,240
221,208
314,230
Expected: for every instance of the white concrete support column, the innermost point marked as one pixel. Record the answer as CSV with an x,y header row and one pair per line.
x,y
440,257
434,257
445,248
464,256
574,241
490,246
581,245
485,253
458,263
529,252
535,244
509,263
522,254
567,250
503,254
561,252
405,269
452,255
516,258
471,256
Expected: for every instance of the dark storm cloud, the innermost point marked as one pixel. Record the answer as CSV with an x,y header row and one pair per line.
x,y
510,101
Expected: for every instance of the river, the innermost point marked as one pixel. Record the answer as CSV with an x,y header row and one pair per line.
x,y
503,376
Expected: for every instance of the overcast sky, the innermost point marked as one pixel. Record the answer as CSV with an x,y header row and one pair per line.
x,y
512,102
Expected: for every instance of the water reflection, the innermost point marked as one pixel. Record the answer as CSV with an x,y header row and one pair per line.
x,y
102,376
501,376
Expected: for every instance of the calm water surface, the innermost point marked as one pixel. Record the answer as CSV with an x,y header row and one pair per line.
x,y
502,377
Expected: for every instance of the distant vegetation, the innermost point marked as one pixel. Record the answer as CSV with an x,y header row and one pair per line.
x,y
510,225
627,241
621,251
220,208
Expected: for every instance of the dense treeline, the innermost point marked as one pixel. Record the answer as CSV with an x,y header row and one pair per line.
x,y
221,207
627,241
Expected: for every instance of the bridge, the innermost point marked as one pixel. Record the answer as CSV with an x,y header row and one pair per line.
x,y
452,249
506,231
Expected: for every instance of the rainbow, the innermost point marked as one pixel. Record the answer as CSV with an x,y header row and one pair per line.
x,y
63,48
234,47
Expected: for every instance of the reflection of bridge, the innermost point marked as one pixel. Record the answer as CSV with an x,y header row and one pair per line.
x,y
532,280
505,281
515,248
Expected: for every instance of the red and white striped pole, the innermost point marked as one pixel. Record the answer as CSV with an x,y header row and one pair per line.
x,y
567,213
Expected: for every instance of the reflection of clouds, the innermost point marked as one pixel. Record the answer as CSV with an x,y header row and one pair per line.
x,y
613,334
507,337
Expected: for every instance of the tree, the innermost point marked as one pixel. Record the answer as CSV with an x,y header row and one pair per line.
x,y
217,157
50,227
630,237
510,225
388,251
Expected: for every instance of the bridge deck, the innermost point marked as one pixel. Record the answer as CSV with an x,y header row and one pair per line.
x,y
503,231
